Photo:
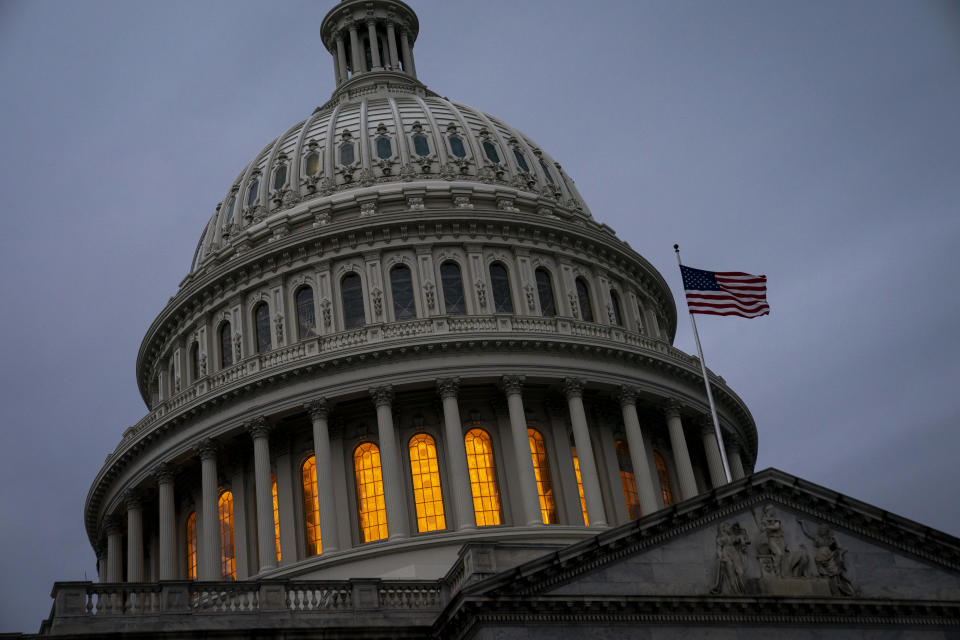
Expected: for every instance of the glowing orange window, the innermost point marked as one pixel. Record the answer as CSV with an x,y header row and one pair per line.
x,y
370,502
276,513
541,471
664,478
628,480
425,473
192,546
583,500
228,564
483,477
311,506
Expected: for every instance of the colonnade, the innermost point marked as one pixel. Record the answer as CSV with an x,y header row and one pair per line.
x,y
456,485
398,50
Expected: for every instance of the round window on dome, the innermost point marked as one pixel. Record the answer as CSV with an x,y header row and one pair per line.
x,y
521,161
456,147
421,146
346,154
313,163
230,207
491,151
280,177
252,193
546,172
384,148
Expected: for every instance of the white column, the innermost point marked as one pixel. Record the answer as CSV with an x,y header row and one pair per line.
x,y
134,536
392,47
456,454
336,70
114,550
209,560
714,462
266,536
342,76
374,49
408,65
573,389
530,501
681,457
638,453
733,457
359,66
167,524
393,486
319,413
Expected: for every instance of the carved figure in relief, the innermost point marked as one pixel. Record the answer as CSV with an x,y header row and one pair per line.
x,y
829,558
775,546
203,365
237,339
732,543
278,321
799,563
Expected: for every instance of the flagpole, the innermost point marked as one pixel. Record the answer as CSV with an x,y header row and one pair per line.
x,y
706,383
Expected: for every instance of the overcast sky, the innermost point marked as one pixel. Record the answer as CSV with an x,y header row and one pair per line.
x,y
817,142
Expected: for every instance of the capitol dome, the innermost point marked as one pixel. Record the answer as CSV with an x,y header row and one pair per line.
x,y
402,331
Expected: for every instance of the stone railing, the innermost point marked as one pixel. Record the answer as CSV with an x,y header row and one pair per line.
x,y
369,335
86,607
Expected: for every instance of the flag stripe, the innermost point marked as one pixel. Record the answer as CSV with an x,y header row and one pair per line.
x,y
725,293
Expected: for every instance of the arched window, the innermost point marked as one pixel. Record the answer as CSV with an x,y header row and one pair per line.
x,y
311,506
261,325
546,172
456,147
615,303
371,507
192,546
252,192
230,207
226,346
453,299
420,145
306,319
384,148
425,473
401,285
500,283
351,294
312,163
664,478
279,177
541,471
483,477
548,305
228,563
521,161
583,299
346,153
194,362
576,471
628,480
276,514
491,151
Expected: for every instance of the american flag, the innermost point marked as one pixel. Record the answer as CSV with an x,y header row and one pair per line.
x,y
725,293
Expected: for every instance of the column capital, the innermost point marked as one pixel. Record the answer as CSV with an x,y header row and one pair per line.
x,y
317,409
207,449
627,396
671,408
382,396
732,444
512,384
132,499
705,422
112,526
163,473
573,388
258,427
448,387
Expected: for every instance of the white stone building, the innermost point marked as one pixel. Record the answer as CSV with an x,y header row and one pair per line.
x,y
411,387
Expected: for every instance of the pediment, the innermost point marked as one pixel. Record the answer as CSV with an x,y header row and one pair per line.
x,y
771,534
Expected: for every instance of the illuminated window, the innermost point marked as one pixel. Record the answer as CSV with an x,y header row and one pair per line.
x,y
541,471
351,293
452,283
261,324
576,471
548,304
252,193
425,473
226,346
311,506
500,283
228,563
192,546
583,298
370,501
306,319
401,286
313,163
664,478
456,147
483,477
276,513
491,151
615,303
628,480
